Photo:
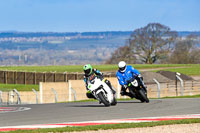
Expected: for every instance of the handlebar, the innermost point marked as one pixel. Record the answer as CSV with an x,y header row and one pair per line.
x,y
131,79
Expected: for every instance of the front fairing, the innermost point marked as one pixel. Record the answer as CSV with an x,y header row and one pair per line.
x,y
96,85
129,79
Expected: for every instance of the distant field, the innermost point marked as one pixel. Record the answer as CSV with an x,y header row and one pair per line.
x,y
188,69
193,70
78,68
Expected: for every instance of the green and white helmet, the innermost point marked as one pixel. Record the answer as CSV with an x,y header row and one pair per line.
x,y
87,69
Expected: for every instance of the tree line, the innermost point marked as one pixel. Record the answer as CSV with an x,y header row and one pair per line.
x,y
157,43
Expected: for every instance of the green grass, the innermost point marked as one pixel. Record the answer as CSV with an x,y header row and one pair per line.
x,y
110,126
188,69
194,96
194,70
78,68
19,87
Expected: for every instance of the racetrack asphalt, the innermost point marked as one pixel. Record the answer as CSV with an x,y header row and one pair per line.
x,y
93,111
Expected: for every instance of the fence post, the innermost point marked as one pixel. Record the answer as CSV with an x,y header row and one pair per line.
x,y
76,77
70,91
11,97
181,84
35,78
5,76
1,97
55,93
36,95
192,85
118,90
24,77
16,77
65,77
55,76
18,96
74,93
158,87
176,84
44,76
41,93
13,82
8,96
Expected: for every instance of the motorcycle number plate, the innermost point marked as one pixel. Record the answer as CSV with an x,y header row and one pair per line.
x,y
134,83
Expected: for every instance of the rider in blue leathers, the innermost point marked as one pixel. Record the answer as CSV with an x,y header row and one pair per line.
x,y
125,73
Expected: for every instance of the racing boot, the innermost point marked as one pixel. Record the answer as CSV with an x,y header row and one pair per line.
x,y
122,93
90,95
131,95
109,84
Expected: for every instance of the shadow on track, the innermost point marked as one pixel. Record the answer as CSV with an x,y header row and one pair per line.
x,y
129,102
87,106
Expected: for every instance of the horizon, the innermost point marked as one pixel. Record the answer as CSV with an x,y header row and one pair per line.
x,y
97,16
72,32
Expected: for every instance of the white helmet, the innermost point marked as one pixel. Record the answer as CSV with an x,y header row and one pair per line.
x,y
122,66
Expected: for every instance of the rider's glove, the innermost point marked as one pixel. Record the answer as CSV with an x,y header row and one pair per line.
x,y
139,75
125,86
101,76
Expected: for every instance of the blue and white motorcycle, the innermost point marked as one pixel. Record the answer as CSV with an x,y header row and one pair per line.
x,y
137,89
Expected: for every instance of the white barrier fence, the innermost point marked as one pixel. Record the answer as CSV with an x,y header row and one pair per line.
x,y
75,90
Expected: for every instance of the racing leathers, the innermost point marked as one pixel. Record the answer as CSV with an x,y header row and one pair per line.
x,y
100,75
122,77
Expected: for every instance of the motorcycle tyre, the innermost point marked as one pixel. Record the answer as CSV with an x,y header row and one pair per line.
x,y
143,96
114,102
103,99
132,93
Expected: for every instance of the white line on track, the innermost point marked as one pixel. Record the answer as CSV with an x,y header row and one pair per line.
x,y
13,109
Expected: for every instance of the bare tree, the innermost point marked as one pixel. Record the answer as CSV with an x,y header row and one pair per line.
x,y
123,53
152,42
186,51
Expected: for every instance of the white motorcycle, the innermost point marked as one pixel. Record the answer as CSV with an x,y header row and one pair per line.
x,y
101,91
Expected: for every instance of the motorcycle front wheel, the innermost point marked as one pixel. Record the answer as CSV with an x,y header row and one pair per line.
x,y
143,96
114,102
103,99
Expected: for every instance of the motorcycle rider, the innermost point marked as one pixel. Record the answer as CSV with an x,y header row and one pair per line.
x,y
88,70
124,73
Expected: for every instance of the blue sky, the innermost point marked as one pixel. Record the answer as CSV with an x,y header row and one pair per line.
x,y
97,15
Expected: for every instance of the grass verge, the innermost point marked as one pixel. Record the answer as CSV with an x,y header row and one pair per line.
x,y
194,96
193,70
111,67
110,126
